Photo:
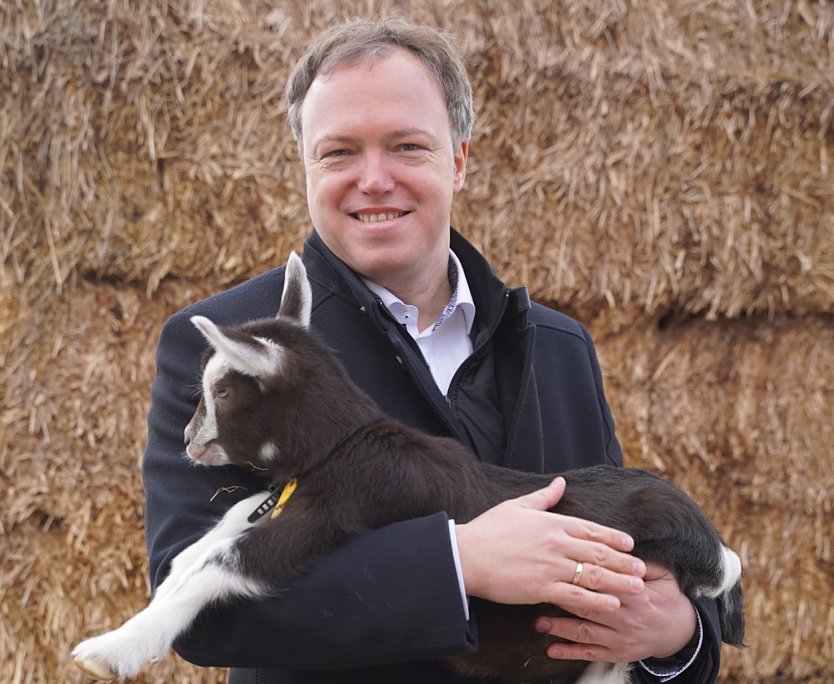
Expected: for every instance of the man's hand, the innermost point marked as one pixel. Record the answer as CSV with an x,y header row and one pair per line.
x,y
655,623
520,553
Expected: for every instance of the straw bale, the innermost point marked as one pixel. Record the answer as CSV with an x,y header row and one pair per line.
x,y
661,170
73,426
696,139
699,136
148,139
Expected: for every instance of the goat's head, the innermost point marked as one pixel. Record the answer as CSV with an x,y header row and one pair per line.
x,y
233,423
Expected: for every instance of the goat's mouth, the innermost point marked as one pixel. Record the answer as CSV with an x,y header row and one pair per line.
x,y
208,454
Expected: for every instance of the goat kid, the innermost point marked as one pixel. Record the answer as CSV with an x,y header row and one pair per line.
x,y
265,379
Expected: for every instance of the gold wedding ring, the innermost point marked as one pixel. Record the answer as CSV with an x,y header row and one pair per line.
x,y
578,574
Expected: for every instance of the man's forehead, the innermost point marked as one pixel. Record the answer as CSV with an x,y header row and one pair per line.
x,y
341,97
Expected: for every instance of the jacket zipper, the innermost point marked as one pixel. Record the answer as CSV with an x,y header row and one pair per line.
x,y
424,381
476,352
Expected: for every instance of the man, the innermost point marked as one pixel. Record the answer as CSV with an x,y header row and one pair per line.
x,y
382,113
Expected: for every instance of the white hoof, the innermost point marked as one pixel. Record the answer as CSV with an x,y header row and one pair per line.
x,y
120,653
95,668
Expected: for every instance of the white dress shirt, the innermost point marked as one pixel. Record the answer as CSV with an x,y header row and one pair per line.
x,y
445,344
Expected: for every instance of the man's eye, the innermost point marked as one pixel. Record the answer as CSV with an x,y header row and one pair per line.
x,y
335,153
410,147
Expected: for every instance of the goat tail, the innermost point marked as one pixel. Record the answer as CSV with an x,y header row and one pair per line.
x,y
731,616
730,599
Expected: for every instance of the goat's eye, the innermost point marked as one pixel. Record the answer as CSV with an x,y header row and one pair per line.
x,y
221,392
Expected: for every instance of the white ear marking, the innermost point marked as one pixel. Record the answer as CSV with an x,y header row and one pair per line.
x,y
297,297
207,327
260,358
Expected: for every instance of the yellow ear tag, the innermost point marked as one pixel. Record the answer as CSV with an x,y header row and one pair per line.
x,y
286,493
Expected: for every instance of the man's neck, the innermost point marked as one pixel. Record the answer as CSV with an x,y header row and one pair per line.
x,y
430,297
432,306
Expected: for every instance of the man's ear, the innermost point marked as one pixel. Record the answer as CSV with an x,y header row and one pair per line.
x,y
461,156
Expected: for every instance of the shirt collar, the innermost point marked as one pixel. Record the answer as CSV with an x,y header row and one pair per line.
x,y
465,301
461,297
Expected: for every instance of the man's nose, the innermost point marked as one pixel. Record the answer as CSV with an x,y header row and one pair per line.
x,y
375,176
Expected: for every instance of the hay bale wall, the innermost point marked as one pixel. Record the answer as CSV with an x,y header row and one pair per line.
x,y
662,170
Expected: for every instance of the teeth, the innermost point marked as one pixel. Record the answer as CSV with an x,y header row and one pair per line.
x,y
376,218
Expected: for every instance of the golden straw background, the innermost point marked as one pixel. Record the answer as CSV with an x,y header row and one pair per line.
x,y
663,170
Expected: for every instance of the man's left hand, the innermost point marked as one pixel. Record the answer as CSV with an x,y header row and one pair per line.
x,y
656,623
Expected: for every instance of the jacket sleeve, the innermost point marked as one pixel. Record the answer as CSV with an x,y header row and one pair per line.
x,y
613,452
389,595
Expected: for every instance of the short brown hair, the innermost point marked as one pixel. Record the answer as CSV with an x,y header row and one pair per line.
x,y
364,39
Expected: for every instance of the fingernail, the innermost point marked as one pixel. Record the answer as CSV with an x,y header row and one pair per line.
x,y
613,603
628,542
543,626
636,584
638,568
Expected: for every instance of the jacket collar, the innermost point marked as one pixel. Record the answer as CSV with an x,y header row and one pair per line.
x,y
498,308
488,290
327,270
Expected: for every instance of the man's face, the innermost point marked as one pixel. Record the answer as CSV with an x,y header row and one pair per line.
x,y
382,168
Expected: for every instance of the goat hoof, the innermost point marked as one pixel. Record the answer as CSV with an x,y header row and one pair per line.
x,y
95,668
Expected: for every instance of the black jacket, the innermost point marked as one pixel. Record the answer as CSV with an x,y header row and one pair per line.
x,y
385,606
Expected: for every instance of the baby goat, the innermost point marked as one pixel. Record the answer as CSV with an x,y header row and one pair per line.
x,y
265,379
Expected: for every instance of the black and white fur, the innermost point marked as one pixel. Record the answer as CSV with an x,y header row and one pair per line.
x,y
263,382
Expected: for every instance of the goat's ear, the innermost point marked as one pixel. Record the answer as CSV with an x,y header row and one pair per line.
x,y
256,357
297,299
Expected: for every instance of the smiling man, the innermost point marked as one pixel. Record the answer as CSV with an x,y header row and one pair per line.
x,y
382,113
382,166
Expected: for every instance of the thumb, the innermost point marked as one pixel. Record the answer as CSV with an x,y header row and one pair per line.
x,y
545,498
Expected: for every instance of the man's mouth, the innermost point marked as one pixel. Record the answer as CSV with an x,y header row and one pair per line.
x,y
379,217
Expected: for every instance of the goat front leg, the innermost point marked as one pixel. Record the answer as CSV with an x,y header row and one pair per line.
x,y
230,525
206,571
149,634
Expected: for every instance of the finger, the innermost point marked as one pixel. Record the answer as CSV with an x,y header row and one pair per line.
x,y
545,498
603,556
581,601
654,571
584,633
601,579
591,531
590,652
